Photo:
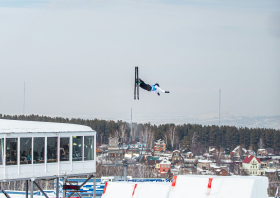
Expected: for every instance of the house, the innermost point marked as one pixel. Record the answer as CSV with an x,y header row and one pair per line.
x,y
252,165
176,158
221,172
238,153
265,152
157,149
163,167
160,143
213,151
152,160
113,143
204,164
190,155
115,154
212,148
190,164
98,151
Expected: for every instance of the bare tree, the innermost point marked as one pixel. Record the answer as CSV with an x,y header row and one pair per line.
x,y
149,135
261,144
195,143
172,135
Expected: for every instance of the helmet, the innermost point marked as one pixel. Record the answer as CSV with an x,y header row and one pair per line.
x,y
157,84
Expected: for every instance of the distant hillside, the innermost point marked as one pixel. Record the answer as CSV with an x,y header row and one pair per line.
x,y
189,137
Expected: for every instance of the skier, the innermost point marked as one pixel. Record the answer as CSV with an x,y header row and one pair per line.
x,y
148,87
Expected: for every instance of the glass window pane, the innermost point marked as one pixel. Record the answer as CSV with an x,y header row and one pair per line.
x,y
52,149
39,150
89,147
1,151
64,149
77,148
11,151
25,150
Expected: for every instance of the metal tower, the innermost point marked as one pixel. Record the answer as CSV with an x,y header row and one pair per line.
x,y
219,107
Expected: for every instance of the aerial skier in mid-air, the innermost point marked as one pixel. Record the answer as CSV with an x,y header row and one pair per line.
x,y
145,86
148,87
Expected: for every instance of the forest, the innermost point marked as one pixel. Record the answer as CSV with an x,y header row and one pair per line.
x,y
188,137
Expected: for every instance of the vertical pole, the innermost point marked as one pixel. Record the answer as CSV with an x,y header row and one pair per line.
x,y
64,191
31,190
26,188
24,98
219,106
94,186
135,85
18,154
131,124
124,172
57,187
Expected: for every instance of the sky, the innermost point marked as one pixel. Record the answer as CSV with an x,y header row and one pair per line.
x,y
77,58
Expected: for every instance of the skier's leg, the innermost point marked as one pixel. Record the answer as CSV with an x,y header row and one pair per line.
x,y
145,86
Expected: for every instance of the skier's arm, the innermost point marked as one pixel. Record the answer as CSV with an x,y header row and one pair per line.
x,y
157,92
158,88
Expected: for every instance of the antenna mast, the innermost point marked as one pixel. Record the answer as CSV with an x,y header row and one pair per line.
x,y
219,107
23,98
131,124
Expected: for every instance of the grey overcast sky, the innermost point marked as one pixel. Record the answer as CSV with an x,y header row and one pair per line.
x,y
77,57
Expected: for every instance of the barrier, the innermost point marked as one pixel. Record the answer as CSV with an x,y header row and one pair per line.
x,y
152,190
208,186
118,190
191,186
136,190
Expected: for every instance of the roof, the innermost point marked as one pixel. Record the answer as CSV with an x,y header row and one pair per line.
x,y
165,161
20,126
249,158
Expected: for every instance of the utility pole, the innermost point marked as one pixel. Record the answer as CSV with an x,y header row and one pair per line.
x,y
219,107
23,98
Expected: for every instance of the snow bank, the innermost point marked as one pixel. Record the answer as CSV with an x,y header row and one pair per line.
x,y
196,186
118,190
192,186
152,190
136,190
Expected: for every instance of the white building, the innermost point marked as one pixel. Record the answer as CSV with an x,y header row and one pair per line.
x,y
35,150
252,165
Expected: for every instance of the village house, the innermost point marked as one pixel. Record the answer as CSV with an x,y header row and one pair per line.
x,y
190,164
98,151
161,144
190,155
157,149
115,154
221,172
176,158
212,148
163,167
204,164
252,165
113,143
265,152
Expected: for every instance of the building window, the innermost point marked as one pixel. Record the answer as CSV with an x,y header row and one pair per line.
x,y
1,150
25,151
89,147
64,149
51,149
11,151
77,148
38,149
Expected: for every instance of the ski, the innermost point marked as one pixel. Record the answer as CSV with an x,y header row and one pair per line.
x,y
137,84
